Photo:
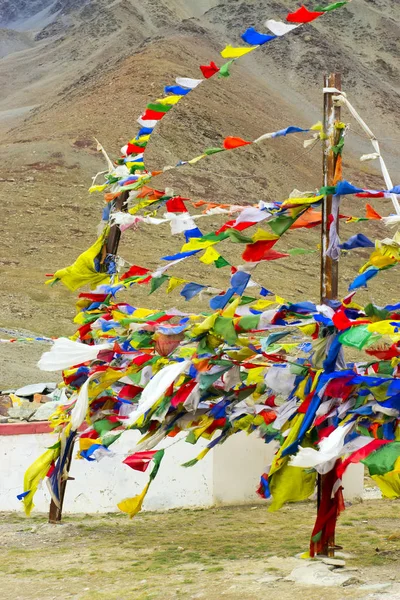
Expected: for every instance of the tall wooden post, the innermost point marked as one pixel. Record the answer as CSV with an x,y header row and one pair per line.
x,y
111,247
329,267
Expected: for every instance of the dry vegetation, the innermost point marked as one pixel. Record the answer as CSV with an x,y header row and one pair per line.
x,y
211,554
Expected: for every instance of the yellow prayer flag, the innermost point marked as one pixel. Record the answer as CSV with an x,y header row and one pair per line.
x,y
86,443
132,506
262,304
82,271
231,52
34,475
97,188
197,244
206,325
317,126
141,313
196,159
142,138
308,329
209,256
389,483
290,484
169,100
174,282
301,201
230,310
255,375
261,234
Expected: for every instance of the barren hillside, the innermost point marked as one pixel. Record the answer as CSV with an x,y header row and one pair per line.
x,y
89,68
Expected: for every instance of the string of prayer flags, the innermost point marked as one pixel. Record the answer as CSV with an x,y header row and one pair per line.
x,y
252,362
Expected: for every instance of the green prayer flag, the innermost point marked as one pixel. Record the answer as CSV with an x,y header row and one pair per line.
x,y
221,262
159,107
207,379
357,337
110,439
157,458
281,224
299,251
374,311
339,147
224,327
104,425
157,282
237,237
214,237
210,151
249,322
191,438
246,300
190,463
330,6
385,367
383,460
224,70
327,190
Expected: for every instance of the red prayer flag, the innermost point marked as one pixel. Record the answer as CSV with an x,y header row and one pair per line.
x,y
209,70
51,470
386,354
92,296
234,142
303,15
140,460
176,205
133,271
359,455
152,115
258,250
183,392
132,149
370,195
273,255
128,392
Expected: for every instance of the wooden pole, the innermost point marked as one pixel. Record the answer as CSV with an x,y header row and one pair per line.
x,y
329,267
111,247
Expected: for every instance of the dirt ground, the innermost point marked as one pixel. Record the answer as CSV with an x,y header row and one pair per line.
x,y
232,553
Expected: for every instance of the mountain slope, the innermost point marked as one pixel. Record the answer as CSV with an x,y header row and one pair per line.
x,y
93,68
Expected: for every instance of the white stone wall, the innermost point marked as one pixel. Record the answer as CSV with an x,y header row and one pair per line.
x,y
229,474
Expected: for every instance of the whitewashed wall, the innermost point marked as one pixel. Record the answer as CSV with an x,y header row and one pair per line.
x,y
229,474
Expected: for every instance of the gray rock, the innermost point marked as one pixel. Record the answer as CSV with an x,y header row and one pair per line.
x,y
44,411
376,587
335,562
318,573
23,412
5,405
35,388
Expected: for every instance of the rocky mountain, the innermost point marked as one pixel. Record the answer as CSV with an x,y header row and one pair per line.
x,y
92,65
14,11
13,41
